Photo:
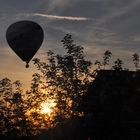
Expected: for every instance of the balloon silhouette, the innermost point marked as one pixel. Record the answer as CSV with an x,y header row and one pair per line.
x,y
25,38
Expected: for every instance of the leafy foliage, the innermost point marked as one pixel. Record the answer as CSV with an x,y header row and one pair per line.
x,y
13,109
136,60
106,58
118,65
65,78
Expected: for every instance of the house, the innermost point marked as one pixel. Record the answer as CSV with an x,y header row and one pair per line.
x,y
112,106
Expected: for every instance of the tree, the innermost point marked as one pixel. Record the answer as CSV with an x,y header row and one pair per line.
x,y
13,108
136,60
98,63
65,78
118,65
106,57
105,61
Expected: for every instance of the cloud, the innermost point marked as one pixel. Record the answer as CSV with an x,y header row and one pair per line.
x,y
118,9
59,5
62,17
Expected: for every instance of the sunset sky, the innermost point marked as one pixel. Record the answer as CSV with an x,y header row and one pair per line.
x,y
97,25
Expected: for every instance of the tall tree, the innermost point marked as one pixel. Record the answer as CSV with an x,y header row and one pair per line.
x,y
98,63
136,60
106,58
66,77
118,65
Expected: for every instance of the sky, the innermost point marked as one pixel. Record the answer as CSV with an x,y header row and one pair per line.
x,y
97,25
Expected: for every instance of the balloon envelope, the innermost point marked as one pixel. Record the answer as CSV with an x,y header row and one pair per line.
x,y
25,38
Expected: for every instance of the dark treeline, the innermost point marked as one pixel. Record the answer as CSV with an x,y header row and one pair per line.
x,y
117,64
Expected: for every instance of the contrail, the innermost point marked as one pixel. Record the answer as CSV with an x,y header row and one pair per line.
x,y
62,17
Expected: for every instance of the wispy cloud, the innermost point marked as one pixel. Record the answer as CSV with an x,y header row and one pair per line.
x,y
62,17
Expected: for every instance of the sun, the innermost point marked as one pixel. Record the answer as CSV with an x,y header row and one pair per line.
x,y
47,107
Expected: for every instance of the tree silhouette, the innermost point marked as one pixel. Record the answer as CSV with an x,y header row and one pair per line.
x,y
98,63
66,78
18,116
118,65
136,60
13,108
106,57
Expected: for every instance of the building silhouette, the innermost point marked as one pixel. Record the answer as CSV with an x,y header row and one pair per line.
x,y
112,106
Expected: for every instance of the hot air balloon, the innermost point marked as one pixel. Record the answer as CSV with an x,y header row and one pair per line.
x,y
25,38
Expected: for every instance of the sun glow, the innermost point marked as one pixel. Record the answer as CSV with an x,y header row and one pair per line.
x,y
48,107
